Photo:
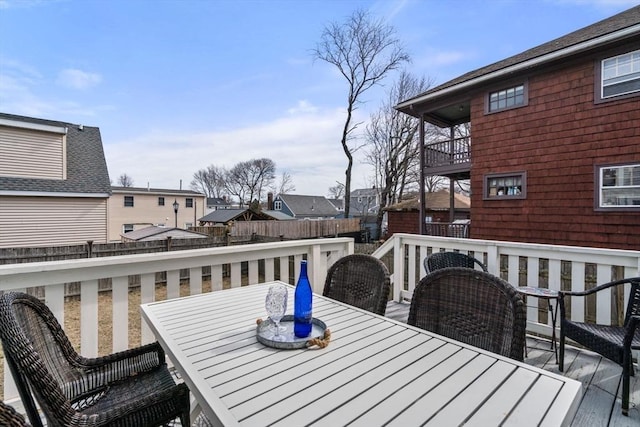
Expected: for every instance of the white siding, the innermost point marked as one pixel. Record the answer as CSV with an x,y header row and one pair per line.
x,y
51,221
31,154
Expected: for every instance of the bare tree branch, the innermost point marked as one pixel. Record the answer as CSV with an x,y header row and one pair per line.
x,y
364,51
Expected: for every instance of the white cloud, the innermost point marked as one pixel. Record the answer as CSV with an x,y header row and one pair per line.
x,y
78,79
305,142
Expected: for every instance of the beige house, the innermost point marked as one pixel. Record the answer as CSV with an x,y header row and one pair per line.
x,y
54,183
134,208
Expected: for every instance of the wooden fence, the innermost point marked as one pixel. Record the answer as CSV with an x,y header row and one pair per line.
x,y
289,230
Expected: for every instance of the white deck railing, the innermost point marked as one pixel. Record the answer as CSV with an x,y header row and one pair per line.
x,y
555,267
569,268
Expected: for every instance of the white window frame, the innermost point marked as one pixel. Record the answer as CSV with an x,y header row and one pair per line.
x,y
126,228
620,69
619,191
277,205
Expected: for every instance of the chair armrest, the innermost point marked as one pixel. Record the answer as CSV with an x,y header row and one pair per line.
x,y
123,364
598,288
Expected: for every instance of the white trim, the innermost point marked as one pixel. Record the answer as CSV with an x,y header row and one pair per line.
x,y
508,71
33,126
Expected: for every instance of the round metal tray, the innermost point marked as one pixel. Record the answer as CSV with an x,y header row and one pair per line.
x,y
291,341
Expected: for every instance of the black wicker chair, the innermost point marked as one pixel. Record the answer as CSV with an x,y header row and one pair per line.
x,y
612,342
438,260
128,388
473,307
359,280
10,418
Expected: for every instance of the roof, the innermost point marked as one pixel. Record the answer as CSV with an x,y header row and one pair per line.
x,y
225,215
87,171
618,28
160,233
217,201
301,205
280,216
337,203
436,201
361,192
160,191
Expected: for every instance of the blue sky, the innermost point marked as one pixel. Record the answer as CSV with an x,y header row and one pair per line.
x,y
175,86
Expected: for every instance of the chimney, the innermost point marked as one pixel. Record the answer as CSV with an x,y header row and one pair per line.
x,y
270,201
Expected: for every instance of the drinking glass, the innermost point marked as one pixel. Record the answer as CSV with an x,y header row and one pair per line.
x,y
276,305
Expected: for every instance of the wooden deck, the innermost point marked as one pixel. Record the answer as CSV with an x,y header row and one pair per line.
x,y
601,403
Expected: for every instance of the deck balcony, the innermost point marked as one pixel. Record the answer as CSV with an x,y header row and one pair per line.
x,y
451,158
194,271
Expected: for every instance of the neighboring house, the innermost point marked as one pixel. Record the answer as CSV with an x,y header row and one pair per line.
x,y
216,203
133,208
404,216
554,153
154,232
54,183
364,202
304,207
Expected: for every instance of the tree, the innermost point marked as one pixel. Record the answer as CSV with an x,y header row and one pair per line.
x,y
364,51
393,143
249,180
210,181
125,180
337,191
285,186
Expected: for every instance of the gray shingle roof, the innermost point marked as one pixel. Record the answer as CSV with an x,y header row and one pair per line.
x,y
86,165
225,215
160,233
626,19
310,206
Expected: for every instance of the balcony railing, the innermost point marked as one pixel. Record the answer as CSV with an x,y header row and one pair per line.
x,y
555,267
453,155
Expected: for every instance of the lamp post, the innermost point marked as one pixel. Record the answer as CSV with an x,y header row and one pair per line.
x,y
176,205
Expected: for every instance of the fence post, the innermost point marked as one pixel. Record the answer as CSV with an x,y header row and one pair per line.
x,y
168,243
89,248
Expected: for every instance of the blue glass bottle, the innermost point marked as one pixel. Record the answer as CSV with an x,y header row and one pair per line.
x,y
302,313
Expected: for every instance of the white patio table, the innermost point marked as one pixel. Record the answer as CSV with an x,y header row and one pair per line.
x,y
375,371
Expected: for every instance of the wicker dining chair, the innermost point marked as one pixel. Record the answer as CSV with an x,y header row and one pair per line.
x,y
9,417
359,280
438,260
128,388
473,307
612,342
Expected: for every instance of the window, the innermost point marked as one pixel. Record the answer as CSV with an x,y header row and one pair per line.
x,y
619,187
188,202
128,201
505,99
277,205
620,75
127,228
505,186
160,201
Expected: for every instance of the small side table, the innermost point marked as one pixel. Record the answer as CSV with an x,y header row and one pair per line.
x,y
549,295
